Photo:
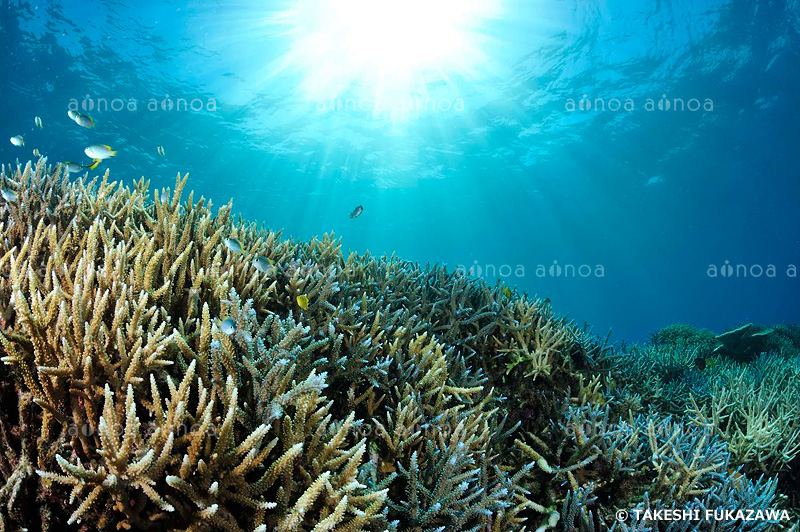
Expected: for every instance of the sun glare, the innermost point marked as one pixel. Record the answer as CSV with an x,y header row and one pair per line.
x,y
389,47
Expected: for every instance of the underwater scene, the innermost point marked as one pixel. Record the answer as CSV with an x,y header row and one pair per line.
x,y
399,266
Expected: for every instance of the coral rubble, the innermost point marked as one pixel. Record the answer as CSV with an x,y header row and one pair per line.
x,y
398,397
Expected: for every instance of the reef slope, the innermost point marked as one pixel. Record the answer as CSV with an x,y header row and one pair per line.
x,y
399,397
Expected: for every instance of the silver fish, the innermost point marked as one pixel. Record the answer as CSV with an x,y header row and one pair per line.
x,y
357,212
233,245
227,326
84,121
72,167
99,151
9,195
264,265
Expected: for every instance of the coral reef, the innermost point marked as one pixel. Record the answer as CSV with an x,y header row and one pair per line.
x,y
154,378
784,340
743,343
752,404
680,335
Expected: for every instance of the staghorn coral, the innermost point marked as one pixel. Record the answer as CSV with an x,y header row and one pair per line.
x,y
669,464
756,410
623,458
752,406
402,398
680,336
137,411
784,340
662,375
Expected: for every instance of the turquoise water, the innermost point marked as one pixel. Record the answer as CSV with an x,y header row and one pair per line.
x,y
527,141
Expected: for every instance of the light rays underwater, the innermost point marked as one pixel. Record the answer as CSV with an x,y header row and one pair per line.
x,y
472,267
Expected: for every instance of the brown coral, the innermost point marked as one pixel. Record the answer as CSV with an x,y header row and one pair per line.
x,y
138,411
400,398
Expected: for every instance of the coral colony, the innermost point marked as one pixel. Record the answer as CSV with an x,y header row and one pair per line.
x,y
155,377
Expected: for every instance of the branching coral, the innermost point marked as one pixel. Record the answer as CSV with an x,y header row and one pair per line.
x,y
136,410
677,465
680,336
757,411
753,406
155,379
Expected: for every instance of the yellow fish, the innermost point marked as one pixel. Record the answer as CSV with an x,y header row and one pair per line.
x,y
302,300
507,292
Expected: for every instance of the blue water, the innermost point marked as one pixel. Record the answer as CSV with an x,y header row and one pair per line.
x,y
507,172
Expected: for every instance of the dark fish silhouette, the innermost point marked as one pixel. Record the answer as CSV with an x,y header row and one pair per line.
x,y
702,363
357,212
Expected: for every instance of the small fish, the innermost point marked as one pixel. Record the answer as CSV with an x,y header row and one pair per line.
x,y
36,152
357,212
38,122
164,195
73,114
100,151
72,167
264,265
161,151
84,121
702,363
233,244
740,480
227,326
19,140
507,292
8,195
302,300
